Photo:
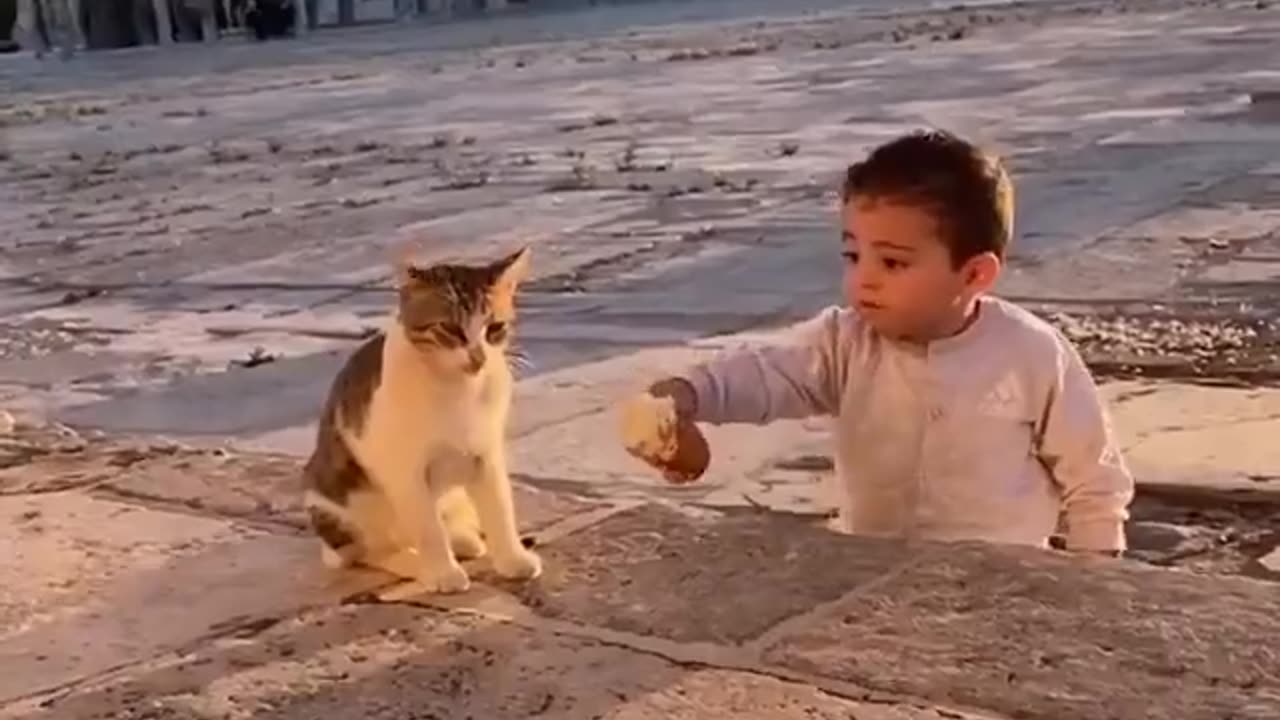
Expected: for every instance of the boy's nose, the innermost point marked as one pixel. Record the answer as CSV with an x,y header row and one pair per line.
x,y
866,279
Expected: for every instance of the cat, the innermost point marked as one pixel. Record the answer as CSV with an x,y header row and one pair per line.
x,y
409,471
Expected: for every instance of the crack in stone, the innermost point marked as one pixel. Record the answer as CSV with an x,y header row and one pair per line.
x,y
788,626
241,628
1142,437
494,604
275,526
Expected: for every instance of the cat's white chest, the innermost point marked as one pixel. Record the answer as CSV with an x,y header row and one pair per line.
x,y
415,415
414,422
465,428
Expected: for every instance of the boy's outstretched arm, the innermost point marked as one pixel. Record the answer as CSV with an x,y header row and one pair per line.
x,y
797,379
1079,449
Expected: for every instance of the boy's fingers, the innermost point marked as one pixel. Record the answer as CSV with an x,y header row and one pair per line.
x,y
678,478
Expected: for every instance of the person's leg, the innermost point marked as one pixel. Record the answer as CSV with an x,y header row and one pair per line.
x,y
24,16
208,21
75,16
144,26
162,12
60,27
303,16
186,22
27,28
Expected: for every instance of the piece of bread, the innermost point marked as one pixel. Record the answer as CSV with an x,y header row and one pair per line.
x,y
652,431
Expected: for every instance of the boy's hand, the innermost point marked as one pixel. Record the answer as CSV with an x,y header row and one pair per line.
x,y
680,392
658,428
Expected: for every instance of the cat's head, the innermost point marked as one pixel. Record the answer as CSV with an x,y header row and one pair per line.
x,y
461,317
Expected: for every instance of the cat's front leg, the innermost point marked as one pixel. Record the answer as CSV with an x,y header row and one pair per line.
x,y
419,517
490,490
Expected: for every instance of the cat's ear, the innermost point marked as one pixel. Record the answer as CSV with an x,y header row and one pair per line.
x,y
406,272
511,270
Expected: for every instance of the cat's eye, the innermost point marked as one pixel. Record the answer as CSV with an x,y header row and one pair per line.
x,y
446,334
495,332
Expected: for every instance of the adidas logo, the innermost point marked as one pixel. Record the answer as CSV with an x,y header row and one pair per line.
x,y
1004,399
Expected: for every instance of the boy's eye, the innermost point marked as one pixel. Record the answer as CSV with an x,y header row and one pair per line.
x,y
893,264
850,257
495,332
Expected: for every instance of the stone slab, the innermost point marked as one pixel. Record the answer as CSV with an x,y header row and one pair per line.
x,y
1215,437
90,584
70,365
1271,560
263,398
257,486
399,662
269,487
262,487
59,450
1050,637
538,509
656,571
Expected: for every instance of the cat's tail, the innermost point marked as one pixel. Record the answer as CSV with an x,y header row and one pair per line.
x,y
331,523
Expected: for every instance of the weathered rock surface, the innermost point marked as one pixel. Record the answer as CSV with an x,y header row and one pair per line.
x,y
89,584
655,613
1039,636
199,239
402,662
658,572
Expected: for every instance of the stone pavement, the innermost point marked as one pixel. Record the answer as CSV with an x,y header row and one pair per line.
x,y
173,218
158,581
193,239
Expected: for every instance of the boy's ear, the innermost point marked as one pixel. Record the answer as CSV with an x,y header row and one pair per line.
x,y
981,272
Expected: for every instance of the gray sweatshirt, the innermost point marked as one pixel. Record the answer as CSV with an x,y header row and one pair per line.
x,y
988,435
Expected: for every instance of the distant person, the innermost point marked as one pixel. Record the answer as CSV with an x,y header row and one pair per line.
x,y
41,25
958,415
8,24
270,18
28,28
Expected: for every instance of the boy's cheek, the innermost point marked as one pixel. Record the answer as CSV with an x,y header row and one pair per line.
x,y
850,287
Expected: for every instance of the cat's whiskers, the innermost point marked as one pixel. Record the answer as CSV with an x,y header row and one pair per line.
x,y
518,358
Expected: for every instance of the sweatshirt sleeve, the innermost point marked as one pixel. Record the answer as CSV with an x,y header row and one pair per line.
x,y
795,379
1078,448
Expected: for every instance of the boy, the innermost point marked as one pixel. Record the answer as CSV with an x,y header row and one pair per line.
x,y
959,416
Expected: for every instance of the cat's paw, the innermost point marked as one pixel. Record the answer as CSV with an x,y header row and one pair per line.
x,y
401,592
517,564
467,544
443,578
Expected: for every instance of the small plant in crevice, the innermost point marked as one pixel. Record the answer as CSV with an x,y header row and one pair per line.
x,y
257,356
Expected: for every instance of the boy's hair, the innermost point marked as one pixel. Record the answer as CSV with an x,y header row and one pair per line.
x,y
967,190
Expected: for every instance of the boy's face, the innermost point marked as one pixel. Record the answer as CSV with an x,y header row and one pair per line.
x,y
899,274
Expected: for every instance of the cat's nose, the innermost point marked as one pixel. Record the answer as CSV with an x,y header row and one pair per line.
x,y
475,360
